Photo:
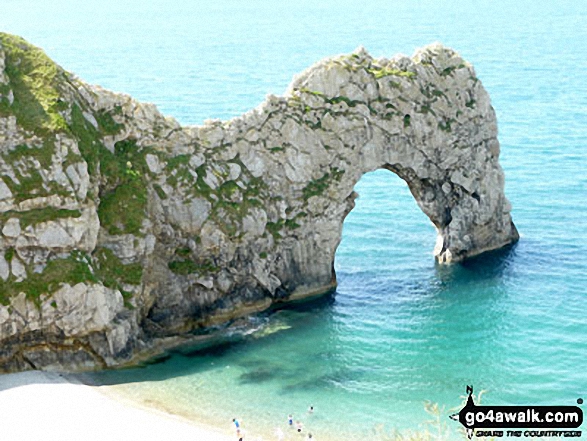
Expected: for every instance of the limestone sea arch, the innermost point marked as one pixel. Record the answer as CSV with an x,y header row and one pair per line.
x,y
121,229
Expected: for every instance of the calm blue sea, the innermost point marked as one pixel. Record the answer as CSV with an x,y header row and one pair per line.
x,y
400,329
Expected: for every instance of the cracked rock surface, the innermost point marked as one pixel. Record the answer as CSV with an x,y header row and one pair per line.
x,y
122,231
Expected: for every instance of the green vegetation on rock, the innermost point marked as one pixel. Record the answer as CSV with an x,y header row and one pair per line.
x,y
72,270
179,171
159,192
21,152
106,122
446,125
183,263
36,216
380,72
407,121
122,210
316,187
275,228
28,181
89,139
185,267
9,254
124,199
449,70
112,272
124,190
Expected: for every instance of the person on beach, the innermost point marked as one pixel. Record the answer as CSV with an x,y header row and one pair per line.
x,y
235,421
279,434
309,437
299,426
311,409
290,419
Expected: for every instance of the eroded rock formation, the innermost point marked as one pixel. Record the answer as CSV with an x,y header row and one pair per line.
x,y
122,230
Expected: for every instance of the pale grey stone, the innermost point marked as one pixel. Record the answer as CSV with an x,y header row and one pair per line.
x,y
211,180
254,223
18,269
11,228
191,216
5,192
53,235
253,162
234,171
4,314
153,163
72,174
91,119
4,267
206,282
118,336
86,308
196,160
78,175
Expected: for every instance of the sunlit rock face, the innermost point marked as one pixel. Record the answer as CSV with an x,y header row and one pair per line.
x,y
122,230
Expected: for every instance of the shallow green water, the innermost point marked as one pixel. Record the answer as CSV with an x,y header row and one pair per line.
x,y
399,330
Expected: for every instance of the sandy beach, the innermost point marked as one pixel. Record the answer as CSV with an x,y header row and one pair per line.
x,y
50,406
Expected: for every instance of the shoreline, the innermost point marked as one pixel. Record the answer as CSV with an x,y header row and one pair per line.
x,y
252,430
67,409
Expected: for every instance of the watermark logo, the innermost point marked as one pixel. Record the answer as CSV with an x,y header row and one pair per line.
x,y
558,420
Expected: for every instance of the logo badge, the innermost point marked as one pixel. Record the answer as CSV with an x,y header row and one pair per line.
x,y
474,417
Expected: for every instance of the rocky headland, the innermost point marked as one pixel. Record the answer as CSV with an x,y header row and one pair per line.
x,y
123,231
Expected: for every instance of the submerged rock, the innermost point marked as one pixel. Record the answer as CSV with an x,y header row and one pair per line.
x,y
122,230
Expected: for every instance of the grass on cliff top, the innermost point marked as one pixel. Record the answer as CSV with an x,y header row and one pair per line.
x,y
38,86
35,82
72,270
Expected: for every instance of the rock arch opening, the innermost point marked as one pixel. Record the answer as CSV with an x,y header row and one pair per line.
x,y
385,231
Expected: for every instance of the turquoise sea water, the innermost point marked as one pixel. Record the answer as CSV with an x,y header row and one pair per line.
x,y
400,330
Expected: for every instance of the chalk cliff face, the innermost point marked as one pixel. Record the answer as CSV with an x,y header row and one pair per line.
x,y
122,230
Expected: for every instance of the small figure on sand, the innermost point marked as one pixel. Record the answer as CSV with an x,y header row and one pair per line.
x,y
309,437
299,426
279,434
290,419
236,423
311,409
